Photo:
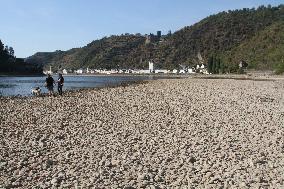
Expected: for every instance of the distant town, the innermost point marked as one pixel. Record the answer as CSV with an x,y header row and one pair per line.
x,y
199,68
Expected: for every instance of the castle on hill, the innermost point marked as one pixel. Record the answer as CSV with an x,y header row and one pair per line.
x,y
152,38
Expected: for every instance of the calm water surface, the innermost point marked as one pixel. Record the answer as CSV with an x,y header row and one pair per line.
x,y
12,86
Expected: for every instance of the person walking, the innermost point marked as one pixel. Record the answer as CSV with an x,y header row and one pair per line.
x,y
49,81
60,82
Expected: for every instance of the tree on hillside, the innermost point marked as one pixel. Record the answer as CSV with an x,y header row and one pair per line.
x,y
4,53
279,68
11,51
214,68
214,65
1,47
222,67
217,67
6,49
210,64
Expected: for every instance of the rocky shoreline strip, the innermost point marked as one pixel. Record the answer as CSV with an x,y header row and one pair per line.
x,y
172,133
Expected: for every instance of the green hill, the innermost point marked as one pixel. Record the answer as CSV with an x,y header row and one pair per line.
x,y
233,36
11,65
104,53
265,50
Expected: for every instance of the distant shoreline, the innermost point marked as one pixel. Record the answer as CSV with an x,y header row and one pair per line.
x,y
20,75
165,76
130,75
110,75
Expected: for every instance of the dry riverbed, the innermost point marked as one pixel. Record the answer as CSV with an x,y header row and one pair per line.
x,y
188,133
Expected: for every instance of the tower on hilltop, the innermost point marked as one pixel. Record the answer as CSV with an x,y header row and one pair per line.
x,y
151,67
159,34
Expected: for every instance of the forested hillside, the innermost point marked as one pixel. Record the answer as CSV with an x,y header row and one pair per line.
x,y
231,36
9,64
265,50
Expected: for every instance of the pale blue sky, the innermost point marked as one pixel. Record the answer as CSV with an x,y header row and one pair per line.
x,y
31,26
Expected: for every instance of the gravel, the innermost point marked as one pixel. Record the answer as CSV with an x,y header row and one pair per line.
x,y
188,133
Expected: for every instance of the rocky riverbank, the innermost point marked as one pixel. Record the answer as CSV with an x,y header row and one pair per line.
x,y
199,133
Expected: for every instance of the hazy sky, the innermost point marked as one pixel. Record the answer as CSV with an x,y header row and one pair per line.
x,y
31,26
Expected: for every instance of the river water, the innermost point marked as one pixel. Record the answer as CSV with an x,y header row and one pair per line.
x,y
13,86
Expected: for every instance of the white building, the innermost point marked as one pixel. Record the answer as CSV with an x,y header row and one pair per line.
x,y
175,71
181,71
151,66
136,71
161,71
64,71
144,71
197,67
48,71
190,70
113,71
204,71
79,71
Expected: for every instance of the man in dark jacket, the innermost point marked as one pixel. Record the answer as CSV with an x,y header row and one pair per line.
x,y
60,82
49,81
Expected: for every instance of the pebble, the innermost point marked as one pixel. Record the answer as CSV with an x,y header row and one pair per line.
x,y
188,133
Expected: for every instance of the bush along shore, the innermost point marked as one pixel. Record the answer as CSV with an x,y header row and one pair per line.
x,y
199,133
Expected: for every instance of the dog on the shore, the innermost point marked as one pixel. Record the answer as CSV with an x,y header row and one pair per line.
x,y
36,91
